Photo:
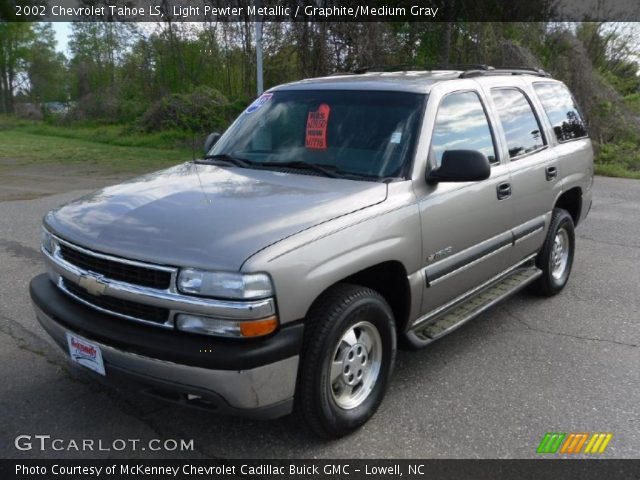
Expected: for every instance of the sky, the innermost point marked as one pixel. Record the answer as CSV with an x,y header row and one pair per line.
x,y
63,31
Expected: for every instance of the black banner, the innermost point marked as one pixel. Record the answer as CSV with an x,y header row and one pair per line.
x,y
322,469
316,11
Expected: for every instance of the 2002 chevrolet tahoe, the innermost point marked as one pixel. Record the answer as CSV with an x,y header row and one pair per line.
x,y
336,218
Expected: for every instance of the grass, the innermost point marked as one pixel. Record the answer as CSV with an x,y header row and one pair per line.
x,y
29,148
113,149
616,170
120,135
619,159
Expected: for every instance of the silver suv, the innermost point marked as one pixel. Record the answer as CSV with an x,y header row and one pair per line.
x,y
335,219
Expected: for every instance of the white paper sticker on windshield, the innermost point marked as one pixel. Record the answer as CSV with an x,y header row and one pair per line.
x,y
259,102
396,137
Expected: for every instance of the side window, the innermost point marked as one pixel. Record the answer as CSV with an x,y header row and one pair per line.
x,y
520,125
461,124
561,110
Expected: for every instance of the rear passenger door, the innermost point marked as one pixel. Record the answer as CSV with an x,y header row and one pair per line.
x,y
569,136
532,165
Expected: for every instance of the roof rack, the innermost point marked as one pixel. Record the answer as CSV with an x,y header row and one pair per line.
x,y
417,68
504,71
386,68
468,70
460,66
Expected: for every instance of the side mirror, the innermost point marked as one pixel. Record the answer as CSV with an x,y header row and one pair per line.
x,y
211,140
461,166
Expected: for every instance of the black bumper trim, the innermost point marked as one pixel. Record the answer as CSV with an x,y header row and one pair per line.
x,y
169,345
127,381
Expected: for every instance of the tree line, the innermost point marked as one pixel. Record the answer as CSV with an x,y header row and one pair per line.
x,y
127,72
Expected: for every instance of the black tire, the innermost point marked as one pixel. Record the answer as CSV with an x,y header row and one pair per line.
x,y
549,284
342,308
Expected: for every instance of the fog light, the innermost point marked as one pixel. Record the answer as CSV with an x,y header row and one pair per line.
x,y
226,328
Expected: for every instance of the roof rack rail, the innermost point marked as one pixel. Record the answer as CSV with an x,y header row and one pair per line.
x,y
386,68
504,71
460,66
469,70
424,68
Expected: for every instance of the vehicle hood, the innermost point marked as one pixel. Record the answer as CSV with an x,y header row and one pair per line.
x,y
206,216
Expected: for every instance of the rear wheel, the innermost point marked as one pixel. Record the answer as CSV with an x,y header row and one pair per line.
x,y
556,257
348,356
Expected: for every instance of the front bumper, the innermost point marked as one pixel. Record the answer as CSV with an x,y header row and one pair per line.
x,y
254,378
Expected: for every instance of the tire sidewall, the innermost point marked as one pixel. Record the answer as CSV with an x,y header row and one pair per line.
x,y
562,221
376,312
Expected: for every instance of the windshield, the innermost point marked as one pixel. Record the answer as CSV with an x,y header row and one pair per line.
x,y
368,134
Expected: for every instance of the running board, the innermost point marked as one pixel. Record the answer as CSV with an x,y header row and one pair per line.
x,y
459,314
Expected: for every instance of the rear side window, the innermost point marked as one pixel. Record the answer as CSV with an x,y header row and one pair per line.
x,y
562,111
520,125
461,124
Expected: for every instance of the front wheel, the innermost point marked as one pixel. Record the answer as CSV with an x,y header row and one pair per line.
x,y
556,257
348,356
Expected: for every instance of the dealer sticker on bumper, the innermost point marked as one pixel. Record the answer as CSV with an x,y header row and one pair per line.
x,y
85,353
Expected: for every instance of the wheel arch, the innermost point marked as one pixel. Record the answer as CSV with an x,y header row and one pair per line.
x,y
571,201
389,279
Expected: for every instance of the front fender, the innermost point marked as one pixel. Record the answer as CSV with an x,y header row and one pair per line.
x,y
305,265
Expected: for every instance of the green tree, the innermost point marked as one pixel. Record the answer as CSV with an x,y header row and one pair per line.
x,y
15,38
613,51
46,68
97,49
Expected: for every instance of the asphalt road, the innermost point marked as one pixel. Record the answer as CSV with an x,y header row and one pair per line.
x,y
491,389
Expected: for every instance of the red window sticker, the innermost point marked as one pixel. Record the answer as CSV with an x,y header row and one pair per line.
x,y
317,128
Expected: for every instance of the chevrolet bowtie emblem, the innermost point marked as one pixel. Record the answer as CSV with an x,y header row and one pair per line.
x,y
92,284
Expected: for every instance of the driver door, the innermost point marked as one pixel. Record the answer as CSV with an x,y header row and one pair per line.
x,y
466,232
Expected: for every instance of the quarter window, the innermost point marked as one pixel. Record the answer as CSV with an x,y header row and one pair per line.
x,y
562,111
520,125
461,124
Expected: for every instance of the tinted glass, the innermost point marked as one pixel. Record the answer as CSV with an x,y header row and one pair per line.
x,y
461,124
519,123
365,133
561,110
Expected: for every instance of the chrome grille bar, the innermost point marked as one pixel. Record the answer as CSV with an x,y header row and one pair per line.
x,y
167,298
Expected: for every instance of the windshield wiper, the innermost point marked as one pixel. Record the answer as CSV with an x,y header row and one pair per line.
x,y
325,170
227,157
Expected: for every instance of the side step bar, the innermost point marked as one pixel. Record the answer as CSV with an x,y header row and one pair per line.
x,y
460,313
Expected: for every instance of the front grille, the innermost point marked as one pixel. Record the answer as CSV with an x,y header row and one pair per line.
x,y
115,270
117,305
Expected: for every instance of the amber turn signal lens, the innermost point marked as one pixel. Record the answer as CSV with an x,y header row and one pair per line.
x,y
258,328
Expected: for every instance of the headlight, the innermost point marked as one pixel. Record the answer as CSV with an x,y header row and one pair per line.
x,y
224,284
50,245
226,328
48,241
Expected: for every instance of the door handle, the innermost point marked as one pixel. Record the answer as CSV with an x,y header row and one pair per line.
x,y
551,172
504,191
